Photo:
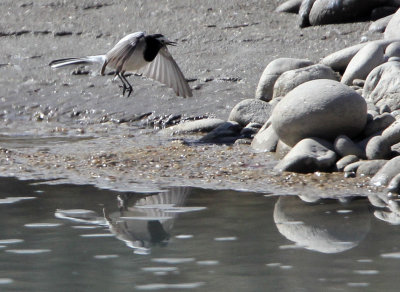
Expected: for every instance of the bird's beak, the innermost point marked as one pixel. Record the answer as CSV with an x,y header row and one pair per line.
x,y
171,43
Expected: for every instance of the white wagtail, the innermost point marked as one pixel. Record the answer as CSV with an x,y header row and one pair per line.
x,y
141,54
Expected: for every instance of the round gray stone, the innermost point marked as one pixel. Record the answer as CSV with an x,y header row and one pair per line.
x,y
345,146
293,78
320,108
251,111
309,155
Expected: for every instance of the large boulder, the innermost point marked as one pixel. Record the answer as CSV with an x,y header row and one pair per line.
x,y
319,108
392,30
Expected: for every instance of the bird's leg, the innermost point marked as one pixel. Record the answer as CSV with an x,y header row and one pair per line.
x,y
126,86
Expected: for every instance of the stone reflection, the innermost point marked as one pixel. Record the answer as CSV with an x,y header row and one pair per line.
x,y
325,226
141,221
387,207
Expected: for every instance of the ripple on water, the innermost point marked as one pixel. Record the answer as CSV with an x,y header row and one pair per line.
x,y
208,263
106,256
159,269
227,238
42,225
392,255
12,200
11,241
173,260
158,286
28,251
366,272
96,235
184,236
4,281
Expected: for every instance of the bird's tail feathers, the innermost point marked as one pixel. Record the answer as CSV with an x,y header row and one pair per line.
x,y
77,61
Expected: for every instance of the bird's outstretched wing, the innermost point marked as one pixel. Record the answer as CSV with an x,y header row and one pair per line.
x,y
165,70
122,51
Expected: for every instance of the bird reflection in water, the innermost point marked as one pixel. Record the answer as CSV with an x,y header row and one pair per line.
x,y
142,221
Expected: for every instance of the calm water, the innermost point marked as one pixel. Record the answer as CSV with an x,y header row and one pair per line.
x,y
79,238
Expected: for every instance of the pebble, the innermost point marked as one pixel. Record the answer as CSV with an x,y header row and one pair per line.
x,y
346,160
203,125
250,111
344,146
266,140
309,155
387,172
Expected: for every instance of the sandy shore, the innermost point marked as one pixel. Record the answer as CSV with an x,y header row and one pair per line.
x,y
66,123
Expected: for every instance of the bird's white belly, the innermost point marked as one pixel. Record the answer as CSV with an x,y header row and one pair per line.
x,y
135,62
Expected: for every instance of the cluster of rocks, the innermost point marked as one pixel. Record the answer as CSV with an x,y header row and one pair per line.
x,y
341,114
319,12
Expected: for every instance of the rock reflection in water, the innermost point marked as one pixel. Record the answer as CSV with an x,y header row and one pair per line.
x,y
319,226
141,221
387,207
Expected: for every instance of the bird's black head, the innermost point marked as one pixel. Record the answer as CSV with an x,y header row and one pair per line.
x,y
162,39
154,42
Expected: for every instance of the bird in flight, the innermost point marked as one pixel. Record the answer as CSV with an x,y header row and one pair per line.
x,y
142,54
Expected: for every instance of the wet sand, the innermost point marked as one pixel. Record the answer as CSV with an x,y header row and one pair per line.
x,y
75,126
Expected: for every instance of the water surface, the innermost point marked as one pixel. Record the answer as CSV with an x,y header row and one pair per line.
x,y
79,238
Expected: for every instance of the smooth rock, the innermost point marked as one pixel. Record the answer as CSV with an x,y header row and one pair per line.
x,y
271,73
394,184
369,57
346,160
382,86
380,24
319,108
265,140
387,172
337,11
339,60
378,124
392,29
304,12
370,167
204,125
352,167
250,130
393,50
309,155
344,146
291,6
293,78
226,133
282,149
392,133
378,148
250,111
